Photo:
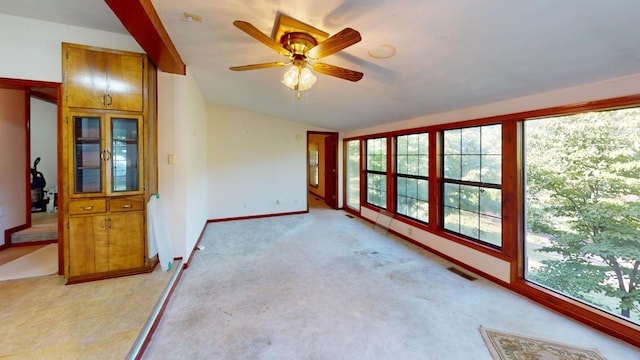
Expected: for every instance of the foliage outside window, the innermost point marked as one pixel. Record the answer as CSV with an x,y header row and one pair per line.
x,y
412,176
376,172
582,208
472,179
353,174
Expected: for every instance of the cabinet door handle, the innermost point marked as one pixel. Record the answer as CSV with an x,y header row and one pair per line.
x,y
109,223
104,223
90,207
106,100
126,206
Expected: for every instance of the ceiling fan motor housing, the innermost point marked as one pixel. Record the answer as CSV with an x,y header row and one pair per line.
x,y
298,43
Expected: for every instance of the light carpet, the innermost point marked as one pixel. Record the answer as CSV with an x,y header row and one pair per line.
x,y
327,286
508,346
41,262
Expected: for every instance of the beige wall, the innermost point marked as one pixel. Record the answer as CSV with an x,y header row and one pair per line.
x,y
13,171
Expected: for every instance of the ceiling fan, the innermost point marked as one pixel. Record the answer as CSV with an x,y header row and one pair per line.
x,y
303,45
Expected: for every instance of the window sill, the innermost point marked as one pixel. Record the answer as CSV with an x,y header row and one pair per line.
x,y
596,318
431,228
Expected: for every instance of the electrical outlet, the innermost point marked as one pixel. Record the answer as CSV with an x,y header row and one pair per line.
x,y
1,211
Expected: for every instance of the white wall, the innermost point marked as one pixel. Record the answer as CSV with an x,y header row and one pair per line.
x,y
622,86
170,188
182,132
629,85
44,139
32,49
193,135
257,164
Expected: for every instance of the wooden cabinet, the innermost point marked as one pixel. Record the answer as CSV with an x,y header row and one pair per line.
x,y
106,127
101,79
124,253
106,241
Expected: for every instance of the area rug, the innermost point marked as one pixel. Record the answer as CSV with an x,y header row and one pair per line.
x,y
507,346
41,262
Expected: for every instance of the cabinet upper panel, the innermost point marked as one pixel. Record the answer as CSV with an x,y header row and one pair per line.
x,y
103,80
125,82
106,154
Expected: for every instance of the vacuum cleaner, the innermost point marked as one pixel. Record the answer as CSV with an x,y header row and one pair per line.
x,y
38,183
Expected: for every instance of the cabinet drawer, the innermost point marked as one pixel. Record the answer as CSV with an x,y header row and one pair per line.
x,y
126,203
77,207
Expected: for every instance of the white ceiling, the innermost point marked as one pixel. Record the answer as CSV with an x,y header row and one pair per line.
x,y
451,54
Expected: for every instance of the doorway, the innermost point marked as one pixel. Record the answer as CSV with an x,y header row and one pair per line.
x,y
322,166
29,219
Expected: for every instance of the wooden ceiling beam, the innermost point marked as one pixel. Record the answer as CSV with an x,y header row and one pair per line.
x,y
140,18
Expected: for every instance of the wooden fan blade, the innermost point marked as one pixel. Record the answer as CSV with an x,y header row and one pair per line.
x,y
262,37
258,66
338,72
335,43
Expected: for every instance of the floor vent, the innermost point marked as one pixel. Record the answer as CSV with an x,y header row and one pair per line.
x,y
349,216
463,274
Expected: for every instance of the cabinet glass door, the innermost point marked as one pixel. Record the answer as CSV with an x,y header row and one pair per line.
x,y
87,151
125,157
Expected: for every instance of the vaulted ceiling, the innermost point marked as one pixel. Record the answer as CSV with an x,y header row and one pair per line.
x,y
448,54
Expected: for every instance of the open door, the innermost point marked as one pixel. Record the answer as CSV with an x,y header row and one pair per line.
x,y
331,170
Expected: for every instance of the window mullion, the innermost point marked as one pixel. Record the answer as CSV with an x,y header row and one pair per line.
x,y
435,173
391,180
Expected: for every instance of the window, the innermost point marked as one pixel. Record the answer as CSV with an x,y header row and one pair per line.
x,y
571,191
313,164
376,172
412,176
582,208
472,178
352,151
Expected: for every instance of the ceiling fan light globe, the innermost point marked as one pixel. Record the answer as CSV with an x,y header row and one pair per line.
x,y
307,79
290,79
